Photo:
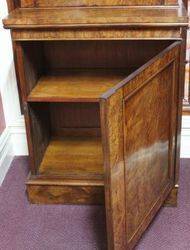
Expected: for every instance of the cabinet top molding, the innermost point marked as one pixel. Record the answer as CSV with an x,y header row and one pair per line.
x,y
87,3
24,18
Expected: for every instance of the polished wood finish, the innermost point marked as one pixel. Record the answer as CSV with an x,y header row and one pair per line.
x,y
74,158
69,119
13,4
97,17
148,173
86,3
49,78
102,91
38,133
93,3
106,55
171,200
68,193
59,120
112,133
113,33
78,85
157,137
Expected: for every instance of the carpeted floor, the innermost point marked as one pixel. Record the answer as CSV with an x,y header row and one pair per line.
x,y
31,227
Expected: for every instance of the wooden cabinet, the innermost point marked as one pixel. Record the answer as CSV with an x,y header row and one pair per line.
x,y
101,86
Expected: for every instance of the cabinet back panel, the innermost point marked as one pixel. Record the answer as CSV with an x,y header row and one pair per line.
x,y
75,119
45,57
100,54
64,3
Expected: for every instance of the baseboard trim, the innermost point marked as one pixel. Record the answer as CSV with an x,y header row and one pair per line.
x,y
19,142
13,142
6,153
18,137
185,137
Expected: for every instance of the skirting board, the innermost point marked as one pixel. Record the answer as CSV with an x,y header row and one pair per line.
x,y
18,137
19,142
185,137
6,153
13,142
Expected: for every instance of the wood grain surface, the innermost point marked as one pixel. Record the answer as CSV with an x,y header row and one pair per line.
x,y
112,134
112,33
78,17
74,158
147,141
78,85
93,3
78,195
69,119
149,120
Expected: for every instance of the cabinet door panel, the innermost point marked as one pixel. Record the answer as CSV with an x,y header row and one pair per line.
x,y
148,142
141,175
111,118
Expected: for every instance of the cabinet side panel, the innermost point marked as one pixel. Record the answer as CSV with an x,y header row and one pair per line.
x,y
32,63
112,133
180,102
38,130
29,66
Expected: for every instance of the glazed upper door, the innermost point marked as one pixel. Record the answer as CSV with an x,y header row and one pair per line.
x,y
139,131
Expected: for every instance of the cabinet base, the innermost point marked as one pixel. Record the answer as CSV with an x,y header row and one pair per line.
x,y
171,200
43,191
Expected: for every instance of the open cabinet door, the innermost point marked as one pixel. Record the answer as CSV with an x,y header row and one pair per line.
x,y
139,130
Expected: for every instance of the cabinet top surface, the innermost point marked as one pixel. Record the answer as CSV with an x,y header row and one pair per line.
x,y
87,17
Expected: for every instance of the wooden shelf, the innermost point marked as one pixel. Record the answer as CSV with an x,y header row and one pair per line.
x,y
78,158
77,85
78,17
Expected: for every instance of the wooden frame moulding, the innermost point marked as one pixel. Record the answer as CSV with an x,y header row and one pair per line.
x,y
92,3
148,33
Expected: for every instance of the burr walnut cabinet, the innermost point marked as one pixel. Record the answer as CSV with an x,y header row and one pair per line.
x,y
101,87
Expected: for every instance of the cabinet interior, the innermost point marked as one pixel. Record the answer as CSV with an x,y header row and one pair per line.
x,y
82,69
64,83
67,139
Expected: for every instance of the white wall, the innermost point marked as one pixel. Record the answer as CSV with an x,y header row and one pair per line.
x,y
13,139
9,92
185,137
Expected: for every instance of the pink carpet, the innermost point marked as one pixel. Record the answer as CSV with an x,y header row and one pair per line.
x,y
31,227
